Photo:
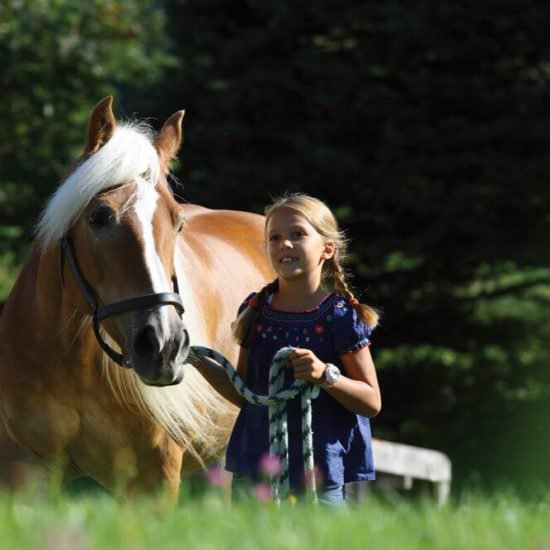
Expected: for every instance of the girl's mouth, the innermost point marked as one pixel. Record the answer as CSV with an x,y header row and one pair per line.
x,y
288,259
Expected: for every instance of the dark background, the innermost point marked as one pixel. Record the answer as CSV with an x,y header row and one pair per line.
x,y
424,125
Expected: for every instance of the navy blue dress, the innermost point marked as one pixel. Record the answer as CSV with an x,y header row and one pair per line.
x,y
341,439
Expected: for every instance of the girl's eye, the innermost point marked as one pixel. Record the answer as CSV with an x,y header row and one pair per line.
x,y
273,238
101,217
298,234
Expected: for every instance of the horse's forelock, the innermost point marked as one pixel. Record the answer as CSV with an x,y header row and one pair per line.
x,y
128,155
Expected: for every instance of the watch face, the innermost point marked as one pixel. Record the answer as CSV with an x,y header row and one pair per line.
x,y
332,374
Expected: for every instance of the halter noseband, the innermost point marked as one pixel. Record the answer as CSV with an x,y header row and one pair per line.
x,y
100,313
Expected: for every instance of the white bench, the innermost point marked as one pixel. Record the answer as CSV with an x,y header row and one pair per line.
x,y
399,465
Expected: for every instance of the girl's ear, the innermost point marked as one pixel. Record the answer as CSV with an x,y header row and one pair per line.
x,y
329,250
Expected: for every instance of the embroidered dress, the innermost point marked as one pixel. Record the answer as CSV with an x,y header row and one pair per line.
x,y
341,439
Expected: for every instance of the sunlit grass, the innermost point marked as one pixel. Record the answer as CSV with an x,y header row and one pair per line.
x,y
30,519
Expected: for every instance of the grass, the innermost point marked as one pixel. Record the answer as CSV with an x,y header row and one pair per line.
x,y
32,520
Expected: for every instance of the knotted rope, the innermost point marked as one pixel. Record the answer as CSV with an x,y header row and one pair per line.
x,y
278,427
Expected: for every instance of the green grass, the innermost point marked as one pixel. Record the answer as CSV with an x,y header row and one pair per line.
x,y
31,520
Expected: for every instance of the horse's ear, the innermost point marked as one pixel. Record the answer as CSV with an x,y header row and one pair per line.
x,y
101,125
169,139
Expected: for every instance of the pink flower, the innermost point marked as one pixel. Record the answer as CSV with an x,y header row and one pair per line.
x,y
315,476
271,465
263,492
217,477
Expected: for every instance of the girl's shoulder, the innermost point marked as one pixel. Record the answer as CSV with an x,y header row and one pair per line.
x,y
248,301
342,307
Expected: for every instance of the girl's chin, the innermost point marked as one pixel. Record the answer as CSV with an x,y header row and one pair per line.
x,y
289,274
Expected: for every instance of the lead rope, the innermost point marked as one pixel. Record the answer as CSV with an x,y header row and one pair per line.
x,y
278,428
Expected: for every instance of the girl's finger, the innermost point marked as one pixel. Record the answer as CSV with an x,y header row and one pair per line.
x,y
300,364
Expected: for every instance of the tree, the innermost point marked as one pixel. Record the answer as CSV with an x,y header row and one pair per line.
x,y
426,128
58,59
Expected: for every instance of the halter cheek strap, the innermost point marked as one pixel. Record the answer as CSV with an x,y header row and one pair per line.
x,y
100,313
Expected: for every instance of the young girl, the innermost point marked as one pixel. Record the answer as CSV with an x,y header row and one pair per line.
x,y
330,332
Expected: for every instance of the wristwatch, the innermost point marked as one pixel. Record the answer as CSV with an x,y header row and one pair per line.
x,y
331,374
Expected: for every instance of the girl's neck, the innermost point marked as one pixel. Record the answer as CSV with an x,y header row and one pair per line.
x,y
296,297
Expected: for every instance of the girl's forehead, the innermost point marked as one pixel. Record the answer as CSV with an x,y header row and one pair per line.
x,y
284,217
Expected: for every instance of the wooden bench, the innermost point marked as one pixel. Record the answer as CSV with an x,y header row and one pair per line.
x,y
406,467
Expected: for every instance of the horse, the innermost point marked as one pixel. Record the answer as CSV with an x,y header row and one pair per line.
x,y
122,279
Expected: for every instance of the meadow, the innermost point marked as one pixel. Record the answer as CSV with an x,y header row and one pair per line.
x,y
34,519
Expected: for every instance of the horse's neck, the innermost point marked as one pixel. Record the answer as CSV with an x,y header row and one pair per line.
x,y
40,304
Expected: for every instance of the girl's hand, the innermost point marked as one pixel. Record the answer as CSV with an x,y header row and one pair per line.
x,y
306,365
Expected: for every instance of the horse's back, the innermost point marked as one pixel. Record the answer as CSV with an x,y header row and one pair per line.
x,y
224,258
228,238
228,225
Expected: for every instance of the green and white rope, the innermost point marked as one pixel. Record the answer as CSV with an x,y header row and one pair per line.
x,y
278,426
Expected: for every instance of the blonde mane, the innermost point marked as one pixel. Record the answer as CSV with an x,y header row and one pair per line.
x,y
190,411
128,155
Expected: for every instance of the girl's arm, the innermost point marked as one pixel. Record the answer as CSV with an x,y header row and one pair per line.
x,y
357,390
215,374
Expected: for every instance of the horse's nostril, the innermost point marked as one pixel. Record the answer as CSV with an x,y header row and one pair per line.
x,y
175,347
146,344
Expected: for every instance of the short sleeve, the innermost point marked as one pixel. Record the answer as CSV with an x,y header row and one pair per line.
x,y
350,333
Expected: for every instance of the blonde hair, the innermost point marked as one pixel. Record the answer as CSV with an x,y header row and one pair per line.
x,y
317,213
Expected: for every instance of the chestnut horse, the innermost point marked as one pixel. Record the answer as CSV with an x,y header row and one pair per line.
x,y
95,334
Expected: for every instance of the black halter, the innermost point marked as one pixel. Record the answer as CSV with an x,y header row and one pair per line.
x,y
100,313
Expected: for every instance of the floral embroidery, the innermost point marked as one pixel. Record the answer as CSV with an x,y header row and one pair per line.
x,y
288,327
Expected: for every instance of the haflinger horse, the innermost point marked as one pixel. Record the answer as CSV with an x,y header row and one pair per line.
x,y
121,281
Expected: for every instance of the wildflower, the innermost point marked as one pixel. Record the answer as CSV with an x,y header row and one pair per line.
x,y
314,477
217,477
263,492
271,465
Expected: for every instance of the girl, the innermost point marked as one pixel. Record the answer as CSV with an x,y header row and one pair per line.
x,y
330,332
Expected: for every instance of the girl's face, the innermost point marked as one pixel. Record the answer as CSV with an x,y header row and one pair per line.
x,y
295,248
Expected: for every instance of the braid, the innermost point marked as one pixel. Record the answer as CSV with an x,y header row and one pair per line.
x,y
243,325
367,314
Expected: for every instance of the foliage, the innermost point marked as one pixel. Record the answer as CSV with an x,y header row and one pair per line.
x,y
426,127
58,59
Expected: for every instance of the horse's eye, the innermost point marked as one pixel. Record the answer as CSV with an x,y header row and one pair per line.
x,y
101,217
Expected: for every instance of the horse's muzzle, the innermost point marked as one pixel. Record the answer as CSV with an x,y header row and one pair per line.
x,y
158,358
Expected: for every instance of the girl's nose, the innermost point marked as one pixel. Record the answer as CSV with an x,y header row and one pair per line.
x,y
285,243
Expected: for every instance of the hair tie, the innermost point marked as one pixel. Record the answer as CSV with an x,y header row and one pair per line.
x,y
354,302
253,302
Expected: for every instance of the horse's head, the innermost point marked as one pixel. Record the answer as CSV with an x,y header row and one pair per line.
x,y
118,222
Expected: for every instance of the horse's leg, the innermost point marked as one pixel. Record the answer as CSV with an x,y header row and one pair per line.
x,y
17,466
157,469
